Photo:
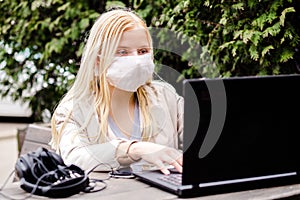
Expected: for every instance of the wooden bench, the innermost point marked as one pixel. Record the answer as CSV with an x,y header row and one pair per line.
x,y
34,136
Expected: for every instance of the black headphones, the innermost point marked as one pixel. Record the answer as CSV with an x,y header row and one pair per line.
x,y
44,173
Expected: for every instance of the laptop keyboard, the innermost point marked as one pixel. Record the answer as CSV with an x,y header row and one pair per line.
x,y
174,179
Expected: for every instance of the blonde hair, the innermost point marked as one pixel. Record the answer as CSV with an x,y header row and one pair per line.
x,y
91,80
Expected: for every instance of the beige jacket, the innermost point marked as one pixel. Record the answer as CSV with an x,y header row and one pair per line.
x,y
75,147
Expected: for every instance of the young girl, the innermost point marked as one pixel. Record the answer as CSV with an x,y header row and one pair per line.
x,y
115,113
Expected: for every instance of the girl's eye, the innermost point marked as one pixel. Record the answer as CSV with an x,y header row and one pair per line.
x,y
122,52
143,51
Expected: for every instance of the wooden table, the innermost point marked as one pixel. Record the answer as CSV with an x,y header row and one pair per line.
x,y
132,189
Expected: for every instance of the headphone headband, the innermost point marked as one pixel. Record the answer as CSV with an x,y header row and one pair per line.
x,y
44,173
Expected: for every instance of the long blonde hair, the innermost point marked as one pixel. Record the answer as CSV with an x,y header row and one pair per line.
x,y
91,80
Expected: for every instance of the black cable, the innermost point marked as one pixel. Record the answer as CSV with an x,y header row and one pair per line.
x,y
43,175
5,182
30,195
35,176
4,185
105,164
92,187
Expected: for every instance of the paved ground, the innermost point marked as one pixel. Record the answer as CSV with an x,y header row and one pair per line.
x,y
8,148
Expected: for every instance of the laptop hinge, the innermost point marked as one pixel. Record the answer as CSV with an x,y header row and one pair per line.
x,y
246,179
185,187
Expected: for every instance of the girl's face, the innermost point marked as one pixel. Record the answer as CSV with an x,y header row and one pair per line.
x,y
133,64
133,43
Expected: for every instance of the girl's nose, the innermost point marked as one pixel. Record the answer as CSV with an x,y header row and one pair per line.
x,y
134,53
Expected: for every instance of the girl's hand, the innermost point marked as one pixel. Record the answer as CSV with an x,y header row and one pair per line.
x,y
158,155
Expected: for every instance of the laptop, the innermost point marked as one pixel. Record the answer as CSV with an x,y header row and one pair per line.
x,y
240,133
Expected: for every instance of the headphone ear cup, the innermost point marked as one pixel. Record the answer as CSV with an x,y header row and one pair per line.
x,y
23,168
50,159
44,173
37,190
20,168
69,187
56,158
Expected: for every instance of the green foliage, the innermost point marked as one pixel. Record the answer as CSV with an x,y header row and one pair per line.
x,y
41,42
41,45
241,37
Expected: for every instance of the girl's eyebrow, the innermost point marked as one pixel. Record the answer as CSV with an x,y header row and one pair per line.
x,y
125,47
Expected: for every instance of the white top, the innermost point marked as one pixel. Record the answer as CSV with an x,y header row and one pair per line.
x,y
75,147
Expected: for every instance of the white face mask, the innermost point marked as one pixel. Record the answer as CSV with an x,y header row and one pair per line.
x,y
130,72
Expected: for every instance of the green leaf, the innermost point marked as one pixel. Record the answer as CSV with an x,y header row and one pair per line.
x,y
273,30
64,7
256,37
237,34
253,53
84,23
247,34
260,21
286,55
266,50
283,14
238,6
225,45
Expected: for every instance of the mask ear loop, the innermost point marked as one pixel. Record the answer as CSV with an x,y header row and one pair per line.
x,y
159,77
156,75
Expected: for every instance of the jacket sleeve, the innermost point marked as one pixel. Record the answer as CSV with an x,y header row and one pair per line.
x,y
76,148
180,113
173,104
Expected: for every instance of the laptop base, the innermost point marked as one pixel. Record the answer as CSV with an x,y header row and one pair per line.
x,y
188,191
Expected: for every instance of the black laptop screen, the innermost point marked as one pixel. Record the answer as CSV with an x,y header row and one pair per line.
x,y
254,123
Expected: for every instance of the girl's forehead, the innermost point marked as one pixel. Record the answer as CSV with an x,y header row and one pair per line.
x,y
134,38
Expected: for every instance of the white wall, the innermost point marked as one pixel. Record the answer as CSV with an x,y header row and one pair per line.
x,y
13,109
